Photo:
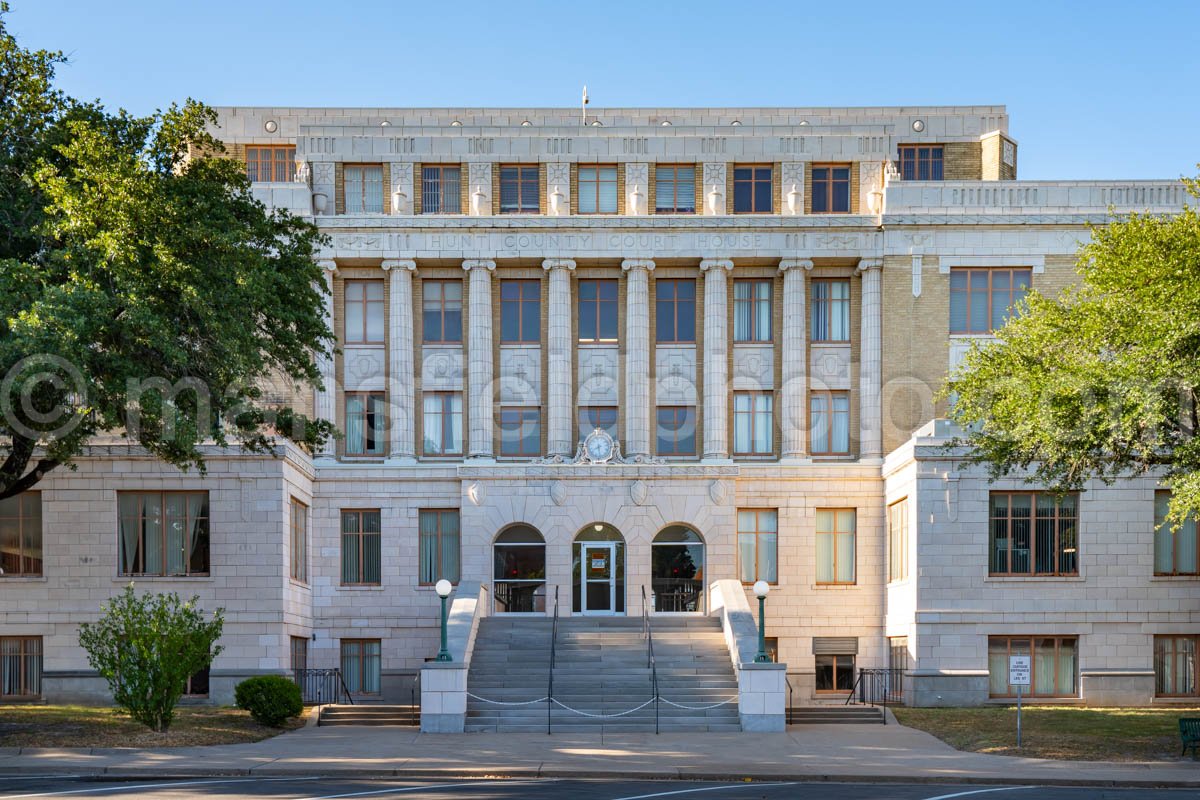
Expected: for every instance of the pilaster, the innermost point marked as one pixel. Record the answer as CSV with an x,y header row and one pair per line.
x,y
716,359
559,439
325,401
637,356
480,369
793,391
871,369
401,373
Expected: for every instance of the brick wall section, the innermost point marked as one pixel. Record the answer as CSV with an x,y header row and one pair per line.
x,y
464,189
339,188
652,188
418,187
386,171
495,188
621,189
962,161
542,199
574,189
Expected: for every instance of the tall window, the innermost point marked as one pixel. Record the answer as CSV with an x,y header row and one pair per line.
x,y
758,544
1054,661
920,162
363,186
1175,666
982,299
835,545
520,312
897,532
20,666
163,533
753,423
753,189
360,665
197,684
520,432
364,312
676,430
361,547
675,310
272,163
299,652
1034,533
519,190
366,428
830,310
21,534
441,191
442,422
831,189
829,423
752,310
597,311
299,541
674,190
593,417
597,190
442,307
1174,551
439,545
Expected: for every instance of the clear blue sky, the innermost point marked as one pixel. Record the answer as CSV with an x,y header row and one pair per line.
x,y
1096,89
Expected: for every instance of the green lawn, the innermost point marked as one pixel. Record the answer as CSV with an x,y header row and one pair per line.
x,y
87,726
1087,734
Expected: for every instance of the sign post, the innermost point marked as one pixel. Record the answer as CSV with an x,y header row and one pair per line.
x,y
1018,676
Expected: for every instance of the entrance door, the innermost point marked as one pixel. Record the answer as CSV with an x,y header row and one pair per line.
x,y
599,578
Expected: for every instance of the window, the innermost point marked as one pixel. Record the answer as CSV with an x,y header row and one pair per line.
x,y
829,423
831,311
163,533
752,189
21,534
1053,661
593,417
299,651
1033,533
835,545
597,311
197,684
831,189
519,190
753,423
20,666
439,545
364,312
361,546
299,541
440,190
758,545
920,162
982,299
1174,551
520,431
597,190
520,306
676,430
835,672
674,190
897,532
273,163
1175,666
752,310
898,657
675,310
363,187
442,303
360,665
365,424
443,424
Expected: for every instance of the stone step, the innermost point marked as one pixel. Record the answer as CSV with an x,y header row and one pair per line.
x,y
373,714
835,715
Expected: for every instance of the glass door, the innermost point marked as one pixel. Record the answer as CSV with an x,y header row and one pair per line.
x,y
599,578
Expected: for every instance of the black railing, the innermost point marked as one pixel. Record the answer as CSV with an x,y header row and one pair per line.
x,y
520,597
651,664
878,687
415,695
787,712
550,680
319,686
675,595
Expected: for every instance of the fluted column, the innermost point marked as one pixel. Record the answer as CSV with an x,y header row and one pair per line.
x,y
559,438
793,390
479,355
716,358
401,377
870,415
325,400
637,356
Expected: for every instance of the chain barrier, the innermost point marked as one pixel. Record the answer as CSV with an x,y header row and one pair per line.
x,y
699,708
561,704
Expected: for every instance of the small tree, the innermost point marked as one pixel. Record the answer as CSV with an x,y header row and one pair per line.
x,y
147,647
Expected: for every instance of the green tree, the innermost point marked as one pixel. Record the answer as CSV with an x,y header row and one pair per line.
x,y
147,647
141,290
1102,381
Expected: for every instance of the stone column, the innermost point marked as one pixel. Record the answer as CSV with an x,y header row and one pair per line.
x,y
325,401
560,440
870,407
401,374
793,390
480,371
637,356
716,358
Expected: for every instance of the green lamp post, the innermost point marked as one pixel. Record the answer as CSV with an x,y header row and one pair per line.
x,y
443,589
761,588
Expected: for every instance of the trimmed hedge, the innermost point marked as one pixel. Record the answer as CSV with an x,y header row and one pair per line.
x,y
270,699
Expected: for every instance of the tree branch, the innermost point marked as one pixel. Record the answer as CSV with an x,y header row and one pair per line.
x,y
14,477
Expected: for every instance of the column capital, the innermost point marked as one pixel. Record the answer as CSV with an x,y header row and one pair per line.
x,y
328,264
479,263
795,263
398,264
558,263
637,263
867,264
716,263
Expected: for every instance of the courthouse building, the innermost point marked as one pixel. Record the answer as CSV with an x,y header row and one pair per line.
x,y
645,349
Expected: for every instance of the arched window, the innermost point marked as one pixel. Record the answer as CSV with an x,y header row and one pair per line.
x,y
677,570
519,571
598,582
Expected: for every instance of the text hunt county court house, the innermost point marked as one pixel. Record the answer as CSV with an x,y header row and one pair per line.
x,y
647,353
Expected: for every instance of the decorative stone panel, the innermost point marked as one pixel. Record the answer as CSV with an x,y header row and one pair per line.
x,y
753,367
441,369
558,189
479,189
363,369
830,366
675,376
598,376
714,189
520,376
791,189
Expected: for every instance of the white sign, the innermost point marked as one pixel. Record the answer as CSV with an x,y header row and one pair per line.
x,y
1018,670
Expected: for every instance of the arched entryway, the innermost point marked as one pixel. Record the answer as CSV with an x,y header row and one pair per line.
x,y
519,571
598,571
677,570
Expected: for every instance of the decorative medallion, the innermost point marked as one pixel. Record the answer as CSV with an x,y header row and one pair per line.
x,y
718,491
558,493
638,492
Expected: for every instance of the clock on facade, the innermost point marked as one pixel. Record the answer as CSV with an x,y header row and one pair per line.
x,y
598,447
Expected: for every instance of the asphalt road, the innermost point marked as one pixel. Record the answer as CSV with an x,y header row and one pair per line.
x,y
329,788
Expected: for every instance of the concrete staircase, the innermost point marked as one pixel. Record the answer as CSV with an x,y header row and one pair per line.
x,y
369,714
600,668
836,715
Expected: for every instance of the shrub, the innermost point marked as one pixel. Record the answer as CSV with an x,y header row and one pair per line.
x,y
270,699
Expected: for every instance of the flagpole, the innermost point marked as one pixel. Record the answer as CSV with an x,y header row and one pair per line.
x,y
583,107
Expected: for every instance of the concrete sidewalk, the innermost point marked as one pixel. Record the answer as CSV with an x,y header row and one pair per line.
x,y
811,752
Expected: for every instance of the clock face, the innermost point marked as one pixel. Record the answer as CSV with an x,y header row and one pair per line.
x,y
598,446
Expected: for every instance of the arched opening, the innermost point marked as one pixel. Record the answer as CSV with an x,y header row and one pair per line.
x,y
598,571
519,571
677,570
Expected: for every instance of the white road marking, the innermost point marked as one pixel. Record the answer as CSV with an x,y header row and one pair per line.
x,y
708,789
127,786
979,791
404,789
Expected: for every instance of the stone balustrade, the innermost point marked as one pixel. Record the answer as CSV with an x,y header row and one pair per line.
x,y
1031,197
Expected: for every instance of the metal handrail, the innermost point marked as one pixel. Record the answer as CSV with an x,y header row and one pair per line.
x,y
415,694
876,687
651,663
553,654
787,712
345,689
